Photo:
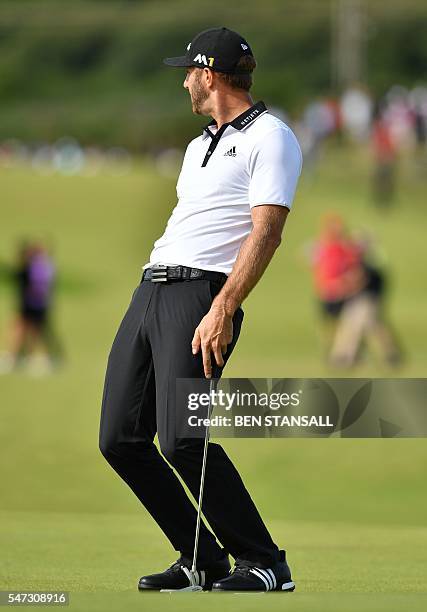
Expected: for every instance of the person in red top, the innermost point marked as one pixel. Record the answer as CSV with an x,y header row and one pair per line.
x,y
350,292
335,259
337,265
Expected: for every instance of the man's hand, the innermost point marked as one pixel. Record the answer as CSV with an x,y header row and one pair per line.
x,y
212,335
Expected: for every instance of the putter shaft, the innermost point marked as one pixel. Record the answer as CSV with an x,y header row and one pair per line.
x,y
202,484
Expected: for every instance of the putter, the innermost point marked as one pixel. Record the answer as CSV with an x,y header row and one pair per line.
x,y
191,574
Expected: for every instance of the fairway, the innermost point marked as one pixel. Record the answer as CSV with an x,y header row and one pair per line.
x,y
350,513
388,559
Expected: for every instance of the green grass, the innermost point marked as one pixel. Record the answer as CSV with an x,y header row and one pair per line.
x,y
98,558
351,513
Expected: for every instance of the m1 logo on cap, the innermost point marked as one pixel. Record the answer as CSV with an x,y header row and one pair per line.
x,y
244,47
201,59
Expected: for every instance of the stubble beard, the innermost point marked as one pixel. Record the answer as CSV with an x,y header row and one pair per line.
x,y
198,95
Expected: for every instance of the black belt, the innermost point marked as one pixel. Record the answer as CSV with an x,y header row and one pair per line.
x,y
161,274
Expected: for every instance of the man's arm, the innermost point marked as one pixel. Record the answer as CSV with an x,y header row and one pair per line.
x,y
215,330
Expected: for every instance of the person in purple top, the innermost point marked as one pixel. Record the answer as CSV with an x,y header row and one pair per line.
x,y
32,341
36,278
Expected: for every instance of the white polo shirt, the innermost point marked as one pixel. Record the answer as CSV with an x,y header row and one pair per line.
x,y
253,160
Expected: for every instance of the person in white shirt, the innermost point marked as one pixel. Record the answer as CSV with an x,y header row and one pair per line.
x,y
235,190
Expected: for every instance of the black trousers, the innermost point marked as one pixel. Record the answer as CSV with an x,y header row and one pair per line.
x,y
151,349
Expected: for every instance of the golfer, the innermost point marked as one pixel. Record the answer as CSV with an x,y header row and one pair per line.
x,y
235,190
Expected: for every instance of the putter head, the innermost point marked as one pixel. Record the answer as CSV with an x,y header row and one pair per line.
x,y
189,589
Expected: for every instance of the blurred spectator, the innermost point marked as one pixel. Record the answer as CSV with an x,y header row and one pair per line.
x,y
336,264
362,322
418,101
385,153
400,117
32,340
320,119
350,288
356,111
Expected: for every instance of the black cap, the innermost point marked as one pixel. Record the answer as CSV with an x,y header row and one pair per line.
x,y
219,49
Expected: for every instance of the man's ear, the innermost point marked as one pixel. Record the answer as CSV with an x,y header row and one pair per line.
x,y
208,76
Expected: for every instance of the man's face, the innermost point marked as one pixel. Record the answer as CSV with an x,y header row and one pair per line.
x,y
197,90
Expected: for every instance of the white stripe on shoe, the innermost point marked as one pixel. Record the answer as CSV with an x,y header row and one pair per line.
x,y
270,577
265,577
273,577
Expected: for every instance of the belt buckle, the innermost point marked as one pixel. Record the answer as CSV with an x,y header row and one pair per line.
x,y
159,274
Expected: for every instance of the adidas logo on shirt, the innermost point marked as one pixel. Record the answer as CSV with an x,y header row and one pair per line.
x,y
231,152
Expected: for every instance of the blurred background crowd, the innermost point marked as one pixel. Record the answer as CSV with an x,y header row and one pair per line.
x,y
392,124
83,93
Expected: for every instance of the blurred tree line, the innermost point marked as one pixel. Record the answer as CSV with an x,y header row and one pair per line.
x,y
92,69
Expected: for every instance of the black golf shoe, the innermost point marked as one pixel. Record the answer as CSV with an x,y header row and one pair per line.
x,y
246,576
178,576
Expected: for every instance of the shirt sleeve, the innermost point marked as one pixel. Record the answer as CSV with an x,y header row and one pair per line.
x,y
275,166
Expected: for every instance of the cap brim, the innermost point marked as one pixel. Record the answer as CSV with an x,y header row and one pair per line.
x,y
178,62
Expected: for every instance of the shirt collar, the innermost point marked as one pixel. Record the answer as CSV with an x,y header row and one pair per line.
x,y
241,121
